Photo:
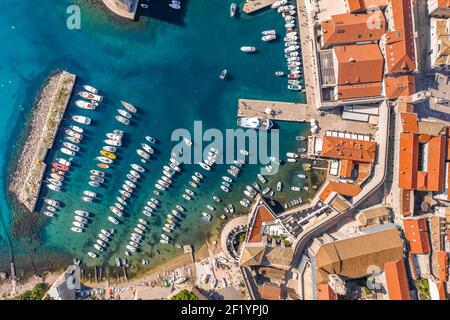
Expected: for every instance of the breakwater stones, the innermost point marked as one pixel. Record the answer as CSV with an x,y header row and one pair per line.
x,y
45,122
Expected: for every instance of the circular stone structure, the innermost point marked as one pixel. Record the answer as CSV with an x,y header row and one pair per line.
x,y
227,231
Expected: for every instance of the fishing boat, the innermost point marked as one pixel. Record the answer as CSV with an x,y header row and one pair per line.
x,y
82,120
143,154
151,139
71,146
113,220
85,105
90,89
49,214
90,96
223,74
294,87
147,148
82,213
233,8
123,120
104,160
125,113
103,165
129,106
206,216
137,167
175,6
261,178
125,193
279,186
68,152
204,166
269,37
92,255
76,229
53,203
87,199
244,152
248,49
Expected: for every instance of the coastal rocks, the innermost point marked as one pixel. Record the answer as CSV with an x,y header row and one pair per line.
x,y
43,128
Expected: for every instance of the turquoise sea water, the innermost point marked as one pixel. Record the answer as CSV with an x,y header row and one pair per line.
x,y
167,64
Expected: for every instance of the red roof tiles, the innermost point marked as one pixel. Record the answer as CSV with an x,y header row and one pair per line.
x,y
416,232
396,280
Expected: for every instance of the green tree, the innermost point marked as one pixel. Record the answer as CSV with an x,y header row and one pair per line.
x,y
37,293
184,295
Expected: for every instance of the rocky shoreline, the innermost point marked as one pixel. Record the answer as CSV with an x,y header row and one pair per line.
x,y
25,184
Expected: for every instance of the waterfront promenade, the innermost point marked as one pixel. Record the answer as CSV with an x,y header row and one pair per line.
x,y
45,123
251,6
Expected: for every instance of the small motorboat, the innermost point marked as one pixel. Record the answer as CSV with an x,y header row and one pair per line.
x,y
90,96
82,213
129,106
123,120
104,160
82,120
233,8
137,167
125,113
68,152
151,139
143,154
76,229
248,49
85,105
90,89
223,74
113,220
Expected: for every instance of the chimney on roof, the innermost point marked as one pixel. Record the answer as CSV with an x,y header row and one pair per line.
x,y
352,59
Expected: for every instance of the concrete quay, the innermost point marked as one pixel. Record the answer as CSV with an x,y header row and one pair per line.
x,y
251,6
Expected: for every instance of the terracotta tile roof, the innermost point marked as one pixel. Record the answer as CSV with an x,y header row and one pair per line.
x,y
399,46
345,189
352,257
363,171
363,5
351,28
409,122
324,292
349,149
358,64
396,280
262,215
409,161
442,264
416,232
346,168
362,90
399,86
405,202
270,291
436,164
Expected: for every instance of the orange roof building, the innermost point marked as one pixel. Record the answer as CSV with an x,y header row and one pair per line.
x,y
439,8
396,87
442,265
358,64
399,44
346,168
262,216
430,178
324,292
350,28
416,233
349,149
364,5
344,189
269,291
396,280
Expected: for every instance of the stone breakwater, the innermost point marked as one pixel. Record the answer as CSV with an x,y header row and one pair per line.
x,y
46,119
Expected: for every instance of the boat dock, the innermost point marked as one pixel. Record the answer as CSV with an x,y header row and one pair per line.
x,y
46,120
274,110
251,6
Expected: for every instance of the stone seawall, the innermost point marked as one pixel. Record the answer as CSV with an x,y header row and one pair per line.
x,y
45,122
